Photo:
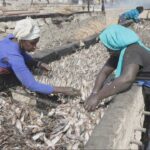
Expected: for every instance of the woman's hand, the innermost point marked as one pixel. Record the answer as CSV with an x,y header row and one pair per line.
x,y
45,67
69,91
91,103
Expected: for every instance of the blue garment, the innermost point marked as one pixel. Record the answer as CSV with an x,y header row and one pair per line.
x,y
13,58
132,14
117,38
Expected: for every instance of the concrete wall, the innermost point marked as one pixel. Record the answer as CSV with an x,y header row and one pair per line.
x,y
118,126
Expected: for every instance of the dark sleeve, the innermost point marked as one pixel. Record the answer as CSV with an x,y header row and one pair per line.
x,y
132,56
25,76
29,60
113,61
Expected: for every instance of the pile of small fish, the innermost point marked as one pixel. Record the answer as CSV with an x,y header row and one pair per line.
x,y
69,125
53,36
143,29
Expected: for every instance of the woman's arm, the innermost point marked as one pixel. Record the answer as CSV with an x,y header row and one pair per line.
x,y
120,84
31,62
102,76
107,69
25,76
27,79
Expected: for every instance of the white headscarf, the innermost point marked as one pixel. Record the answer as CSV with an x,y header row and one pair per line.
x,y
26,29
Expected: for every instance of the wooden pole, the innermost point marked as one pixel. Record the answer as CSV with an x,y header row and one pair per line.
x,y
88,1
4,3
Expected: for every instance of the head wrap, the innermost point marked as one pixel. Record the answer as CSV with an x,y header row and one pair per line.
x,y
118,38
26,29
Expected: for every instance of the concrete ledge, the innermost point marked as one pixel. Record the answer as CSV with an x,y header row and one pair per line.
x,y
44,15
50,55
117,127
90,40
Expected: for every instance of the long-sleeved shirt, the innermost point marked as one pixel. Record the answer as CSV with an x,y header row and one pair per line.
x,y
132,14
12,57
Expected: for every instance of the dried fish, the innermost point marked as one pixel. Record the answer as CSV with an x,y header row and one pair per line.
x,y
49,143
37,136
52,112
68,125
19,125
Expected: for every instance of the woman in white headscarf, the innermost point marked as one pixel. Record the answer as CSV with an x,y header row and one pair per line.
x,y
14,60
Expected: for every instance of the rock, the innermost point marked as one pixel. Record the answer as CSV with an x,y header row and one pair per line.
x,y
23,98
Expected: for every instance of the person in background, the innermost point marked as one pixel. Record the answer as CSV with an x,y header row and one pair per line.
x,y
15,62
103,6
131,16
128,56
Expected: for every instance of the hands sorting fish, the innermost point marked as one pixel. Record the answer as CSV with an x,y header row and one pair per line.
x,y
70,71
69,91
45,67
92,102
66,126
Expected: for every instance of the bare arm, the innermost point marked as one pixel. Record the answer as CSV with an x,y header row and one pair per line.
x,y
107,69
101,77
67,91
120,84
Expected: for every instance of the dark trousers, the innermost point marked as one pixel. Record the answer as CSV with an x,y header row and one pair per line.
x,y
146,93
10,80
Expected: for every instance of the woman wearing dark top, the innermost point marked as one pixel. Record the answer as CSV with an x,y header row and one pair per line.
x,y
128,56
14,60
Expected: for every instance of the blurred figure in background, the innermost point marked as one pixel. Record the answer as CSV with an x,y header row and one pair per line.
x,y
103,7
130,16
